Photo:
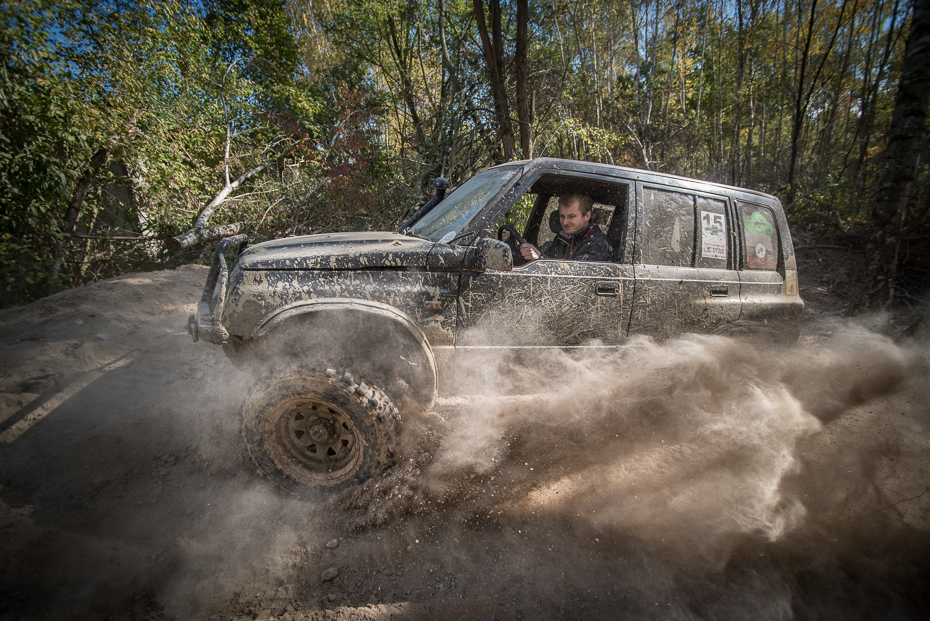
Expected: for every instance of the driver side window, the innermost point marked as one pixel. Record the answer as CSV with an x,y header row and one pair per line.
x,y
603,214
519,213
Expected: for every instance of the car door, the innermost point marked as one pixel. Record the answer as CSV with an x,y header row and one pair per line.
x,y
549,302
545,303
684,265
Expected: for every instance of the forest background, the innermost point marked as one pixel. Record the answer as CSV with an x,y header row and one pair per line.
x,y
130,129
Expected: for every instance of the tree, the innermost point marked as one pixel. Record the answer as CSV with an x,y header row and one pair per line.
x,y
896,190
285,116
155,98
492,46
43,152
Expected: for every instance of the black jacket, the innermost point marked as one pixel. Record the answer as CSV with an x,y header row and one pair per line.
x,y
589,244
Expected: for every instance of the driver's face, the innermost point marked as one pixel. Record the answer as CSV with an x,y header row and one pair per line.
x,y
571,219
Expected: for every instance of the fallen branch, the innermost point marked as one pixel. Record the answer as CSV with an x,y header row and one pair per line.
x,y
204,216
197,236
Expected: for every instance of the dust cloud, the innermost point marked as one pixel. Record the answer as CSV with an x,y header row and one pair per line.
x,y
705,461
703,477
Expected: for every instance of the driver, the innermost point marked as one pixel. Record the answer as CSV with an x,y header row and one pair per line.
x,y
582,240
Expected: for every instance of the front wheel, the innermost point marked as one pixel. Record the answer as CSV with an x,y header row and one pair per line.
x,y
319,429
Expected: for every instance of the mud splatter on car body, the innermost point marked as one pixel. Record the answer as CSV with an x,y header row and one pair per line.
x,y
687,256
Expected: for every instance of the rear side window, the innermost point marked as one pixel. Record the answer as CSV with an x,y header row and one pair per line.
x,y
668,238
761,236
712,233
684,230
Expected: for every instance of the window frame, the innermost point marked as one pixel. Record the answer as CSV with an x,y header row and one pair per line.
x,y
775,237
732,244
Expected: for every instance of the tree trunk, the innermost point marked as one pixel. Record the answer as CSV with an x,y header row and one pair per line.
x,y
870,92
907,137
444,48
195,237
524,114
493,56
799,108
803,101
401,55
742,52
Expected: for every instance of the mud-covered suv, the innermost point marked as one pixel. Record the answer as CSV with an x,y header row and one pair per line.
x,y
347,331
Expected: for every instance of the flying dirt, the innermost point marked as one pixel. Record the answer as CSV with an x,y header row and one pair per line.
x,y
701,477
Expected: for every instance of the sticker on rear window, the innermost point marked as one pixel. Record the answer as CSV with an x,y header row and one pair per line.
x,y
760,241
713,235
758,223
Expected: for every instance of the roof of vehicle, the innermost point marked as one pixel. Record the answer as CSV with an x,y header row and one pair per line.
x,y
638,174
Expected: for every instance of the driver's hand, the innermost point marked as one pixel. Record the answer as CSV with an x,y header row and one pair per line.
x,y
530,252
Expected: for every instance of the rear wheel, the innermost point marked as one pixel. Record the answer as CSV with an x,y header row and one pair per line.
x,y
322,429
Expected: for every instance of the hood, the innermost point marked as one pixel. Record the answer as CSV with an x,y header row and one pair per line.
x,y
337,251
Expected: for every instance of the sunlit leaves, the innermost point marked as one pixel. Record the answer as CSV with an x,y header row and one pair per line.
x,y
177,93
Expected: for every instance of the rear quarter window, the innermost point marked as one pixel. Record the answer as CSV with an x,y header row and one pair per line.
x,y
760,236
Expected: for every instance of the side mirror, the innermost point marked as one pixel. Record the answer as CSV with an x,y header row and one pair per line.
x,y
493,254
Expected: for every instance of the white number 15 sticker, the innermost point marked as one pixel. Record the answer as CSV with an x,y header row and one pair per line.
x,y
713,235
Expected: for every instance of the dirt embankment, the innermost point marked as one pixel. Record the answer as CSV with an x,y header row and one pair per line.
x,y
699,478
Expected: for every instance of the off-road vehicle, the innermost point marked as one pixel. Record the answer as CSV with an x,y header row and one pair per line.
x,y
350,331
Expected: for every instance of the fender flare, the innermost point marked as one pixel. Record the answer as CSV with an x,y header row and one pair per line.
x,y
309,307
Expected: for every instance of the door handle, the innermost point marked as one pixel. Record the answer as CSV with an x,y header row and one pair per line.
x,y
721,291
611,289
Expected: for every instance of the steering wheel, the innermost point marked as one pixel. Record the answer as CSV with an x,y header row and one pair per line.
x,y
514,240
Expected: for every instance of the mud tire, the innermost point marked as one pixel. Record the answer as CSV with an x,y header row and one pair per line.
x,y
319,430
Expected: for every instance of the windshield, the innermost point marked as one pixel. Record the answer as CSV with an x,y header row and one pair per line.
x,y
448,219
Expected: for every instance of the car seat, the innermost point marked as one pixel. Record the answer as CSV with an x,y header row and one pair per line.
x,y
555,225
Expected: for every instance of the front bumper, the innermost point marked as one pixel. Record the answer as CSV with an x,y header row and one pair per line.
x,y
207,323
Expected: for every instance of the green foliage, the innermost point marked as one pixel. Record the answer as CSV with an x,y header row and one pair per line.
x,y
38,143
360,103
518,215
182,99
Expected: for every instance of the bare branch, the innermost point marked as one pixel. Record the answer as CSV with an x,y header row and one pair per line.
x,y
77,202
197,236
204,216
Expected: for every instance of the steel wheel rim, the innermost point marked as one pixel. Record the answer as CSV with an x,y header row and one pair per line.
x,y
315,441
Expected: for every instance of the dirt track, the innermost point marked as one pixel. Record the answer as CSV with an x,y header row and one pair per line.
x,y
702,478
